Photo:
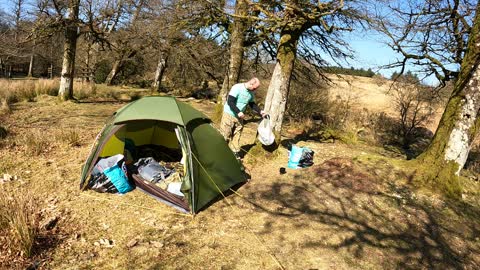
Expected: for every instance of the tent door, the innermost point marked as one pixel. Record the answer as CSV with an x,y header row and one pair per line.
x,y
188,184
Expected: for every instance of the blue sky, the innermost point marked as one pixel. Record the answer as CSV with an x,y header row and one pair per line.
x,y
372,52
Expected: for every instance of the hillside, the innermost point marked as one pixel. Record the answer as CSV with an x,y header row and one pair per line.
x,y
354,209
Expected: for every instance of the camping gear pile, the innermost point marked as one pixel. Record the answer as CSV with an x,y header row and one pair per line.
x,y
300,157
165,148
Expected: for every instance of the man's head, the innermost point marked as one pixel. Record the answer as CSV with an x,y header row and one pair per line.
x,y
252,84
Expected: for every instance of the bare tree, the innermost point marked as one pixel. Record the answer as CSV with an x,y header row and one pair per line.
x,y
432,34
449,149
414,104
129,40
237,40
69,49
302,25
160,71
442,38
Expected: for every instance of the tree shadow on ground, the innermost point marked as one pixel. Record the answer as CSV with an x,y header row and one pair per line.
x,y
353,212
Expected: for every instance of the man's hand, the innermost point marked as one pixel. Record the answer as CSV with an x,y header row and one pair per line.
x,y
241,115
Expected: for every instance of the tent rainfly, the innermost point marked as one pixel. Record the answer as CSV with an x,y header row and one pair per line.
x,y
210,168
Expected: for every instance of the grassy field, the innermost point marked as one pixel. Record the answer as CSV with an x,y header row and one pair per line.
x,y
354,209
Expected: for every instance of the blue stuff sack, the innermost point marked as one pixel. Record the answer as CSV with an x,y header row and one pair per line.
x,y
294,157
300,157
118,178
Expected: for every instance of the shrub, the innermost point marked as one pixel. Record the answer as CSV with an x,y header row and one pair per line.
x,y
70,137
4,106
35,143
12,91
102,70
83,90
18,219
47,87
415,106
306,100
135,96
3,132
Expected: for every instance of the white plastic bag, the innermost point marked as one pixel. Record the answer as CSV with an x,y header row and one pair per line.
x,y
265,134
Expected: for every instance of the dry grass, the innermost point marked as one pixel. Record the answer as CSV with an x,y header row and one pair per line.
x,y
347,213
12,91
35,142
84,90
70,137
3,132
4,106
47,87
18,219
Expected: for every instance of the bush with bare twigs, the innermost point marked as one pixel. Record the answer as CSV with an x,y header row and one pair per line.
x,y
415,105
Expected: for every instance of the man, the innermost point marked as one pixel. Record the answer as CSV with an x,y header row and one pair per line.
x,y
231,126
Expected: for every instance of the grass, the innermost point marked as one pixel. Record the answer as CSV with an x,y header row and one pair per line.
x,y
35,142
18,219
12,91
3,132
353,209
70,137
84,90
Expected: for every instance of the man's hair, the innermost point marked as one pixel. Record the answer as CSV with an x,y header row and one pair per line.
x,y
253,83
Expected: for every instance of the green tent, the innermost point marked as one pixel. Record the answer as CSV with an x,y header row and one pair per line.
x,y
210,167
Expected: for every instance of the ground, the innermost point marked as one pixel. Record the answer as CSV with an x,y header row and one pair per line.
x,y
354,209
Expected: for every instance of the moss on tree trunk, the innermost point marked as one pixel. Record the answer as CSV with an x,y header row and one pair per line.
x,y
440,164
236,57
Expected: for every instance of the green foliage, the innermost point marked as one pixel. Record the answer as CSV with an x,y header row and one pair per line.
x,y
350,71
102,70
407,77
133,71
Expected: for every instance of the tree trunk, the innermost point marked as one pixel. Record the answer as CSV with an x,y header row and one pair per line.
x,y
276,99
118,66
236,50
70,45
113,73
30,66
162,65
448,151
1,67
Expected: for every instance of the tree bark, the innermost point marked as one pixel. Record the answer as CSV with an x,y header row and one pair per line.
x,y
449,149
161,67
118,65
32,56
113,73
236,50
69,48
30,66
276,99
